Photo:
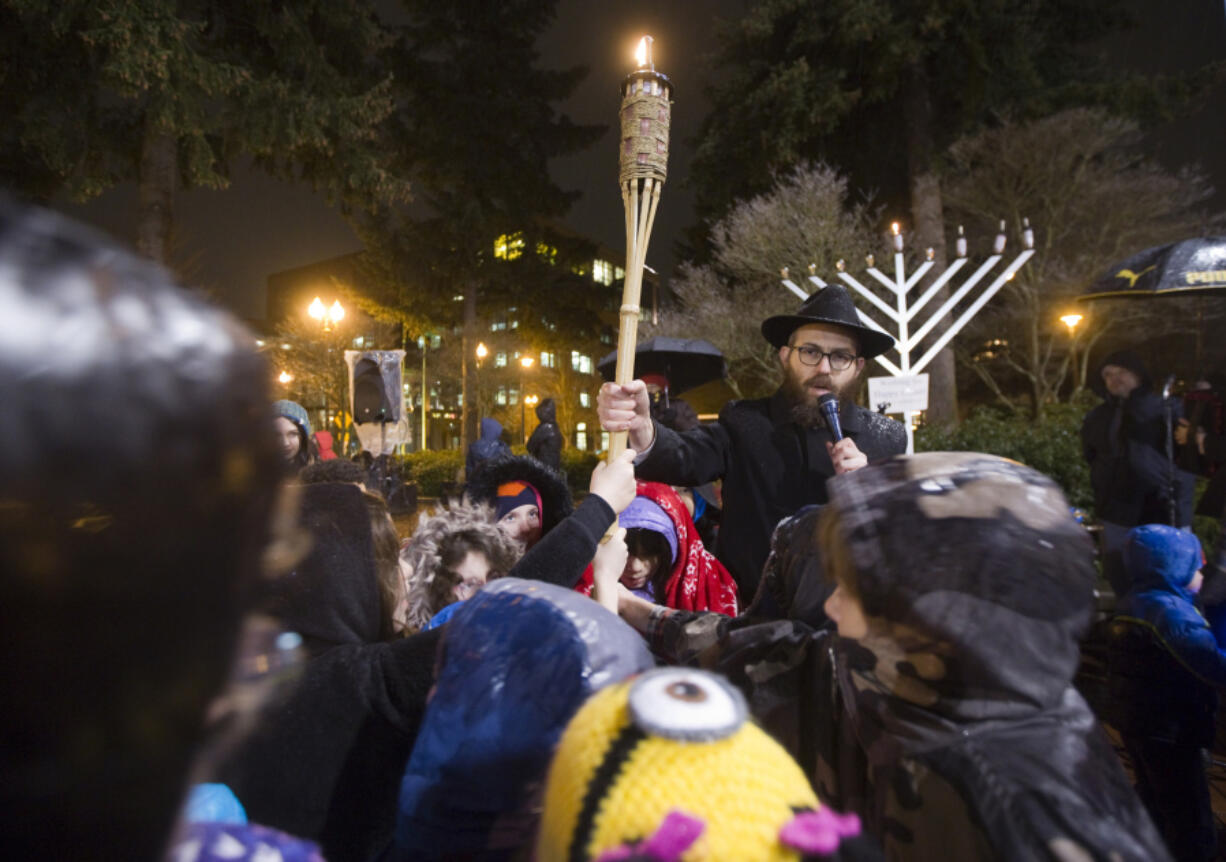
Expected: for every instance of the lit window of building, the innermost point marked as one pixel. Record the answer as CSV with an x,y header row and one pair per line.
x,y
580,362
619,274
500,359
513,395
548,360
602,271
547,253
585,400
509,246
604,441
581,436
359,342
498,326
500,397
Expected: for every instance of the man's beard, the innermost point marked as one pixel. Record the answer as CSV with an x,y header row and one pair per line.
x,y
803,403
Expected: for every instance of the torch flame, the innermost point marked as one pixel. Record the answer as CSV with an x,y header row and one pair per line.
x,y
642,54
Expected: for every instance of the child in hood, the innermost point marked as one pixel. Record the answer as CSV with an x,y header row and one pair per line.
x,y
667,563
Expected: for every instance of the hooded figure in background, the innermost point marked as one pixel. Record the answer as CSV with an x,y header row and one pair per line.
x,y
943,713
1164,666
326,753
488,445
1124,442
545,444
517,662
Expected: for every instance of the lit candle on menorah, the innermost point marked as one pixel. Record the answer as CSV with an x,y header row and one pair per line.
x,y
914,389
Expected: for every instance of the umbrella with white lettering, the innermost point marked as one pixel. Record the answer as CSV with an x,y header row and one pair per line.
x,y
1189,267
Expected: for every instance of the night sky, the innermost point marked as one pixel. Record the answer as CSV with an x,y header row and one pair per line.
x,y
228,242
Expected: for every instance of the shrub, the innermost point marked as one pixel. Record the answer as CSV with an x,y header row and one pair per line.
x,y
1051,445
431,469
578,466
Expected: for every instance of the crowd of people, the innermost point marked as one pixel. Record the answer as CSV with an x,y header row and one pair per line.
x,y
221,648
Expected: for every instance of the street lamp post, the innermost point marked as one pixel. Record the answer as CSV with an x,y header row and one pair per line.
x,y
1071,320
525,363
328,319
482,352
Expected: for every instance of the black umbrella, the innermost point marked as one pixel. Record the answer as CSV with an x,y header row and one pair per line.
x,y
1191,266
686,362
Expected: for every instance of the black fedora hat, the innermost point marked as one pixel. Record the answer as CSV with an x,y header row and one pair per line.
x,y
832,304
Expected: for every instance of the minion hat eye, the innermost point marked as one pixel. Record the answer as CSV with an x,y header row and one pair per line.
x,y
683,704
667,766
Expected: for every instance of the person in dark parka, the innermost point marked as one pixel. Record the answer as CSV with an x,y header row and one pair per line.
x,y
1124,442
545,444
774,454
943,712
569,536
325,755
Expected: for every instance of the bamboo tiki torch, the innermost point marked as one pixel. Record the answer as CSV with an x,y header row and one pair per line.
x,y
643,165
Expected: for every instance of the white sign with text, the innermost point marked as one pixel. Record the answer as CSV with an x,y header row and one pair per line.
x,y
905,394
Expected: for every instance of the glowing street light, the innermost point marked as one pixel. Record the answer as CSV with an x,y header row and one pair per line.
x,y
329,317
1071,321
285,378
482,351
525,362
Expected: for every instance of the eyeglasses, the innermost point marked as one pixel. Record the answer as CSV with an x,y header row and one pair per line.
x,y
840,360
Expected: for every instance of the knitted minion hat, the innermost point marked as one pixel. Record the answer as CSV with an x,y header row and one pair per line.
x,y
666,767
294,412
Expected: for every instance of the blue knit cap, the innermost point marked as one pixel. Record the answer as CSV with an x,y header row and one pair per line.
x,y
648,515
294,412
1156,549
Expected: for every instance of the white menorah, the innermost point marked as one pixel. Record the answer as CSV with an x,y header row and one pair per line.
x,y
903,313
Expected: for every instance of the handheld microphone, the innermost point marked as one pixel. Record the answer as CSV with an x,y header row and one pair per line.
x,y
828,404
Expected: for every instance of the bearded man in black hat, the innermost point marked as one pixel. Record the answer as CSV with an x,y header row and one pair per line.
x,y
774,454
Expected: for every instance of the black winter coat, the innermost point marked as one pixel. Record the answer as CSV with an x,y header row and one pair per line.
x,y
771,467
1124,442
324,758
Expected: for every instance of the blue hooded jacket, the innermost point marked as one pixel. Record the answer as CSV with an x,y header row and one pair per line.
x,y
1161,562
1163,660
490,445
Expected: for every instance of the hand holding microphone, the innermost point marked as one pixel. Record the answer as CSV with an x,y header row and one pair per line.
x,y
844,454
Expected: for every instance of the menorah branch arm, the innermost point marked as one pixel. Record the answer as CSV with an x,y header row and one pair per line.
x,y
974,308
851,282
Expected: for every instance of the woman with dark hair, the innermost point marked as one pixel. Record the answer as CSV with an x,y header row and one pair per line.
x,y
294,434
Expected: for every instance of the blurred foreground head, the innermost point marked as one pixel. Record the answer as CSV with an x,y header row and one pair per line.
x,y
137,473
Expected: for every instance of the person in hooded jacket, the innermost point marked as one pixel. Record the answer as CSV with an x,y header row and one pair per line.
x,y
545,444
1163,666
1124,441
532,503
488,445
943,711
324,757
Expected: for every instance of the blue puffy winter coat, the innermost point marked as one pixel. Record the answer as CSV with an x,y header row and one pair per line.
x,y
1164,661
